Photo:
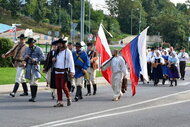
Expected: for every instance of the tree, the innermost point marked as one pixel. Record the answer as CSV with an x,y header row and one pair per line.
x,y
4,4
65,22
39,11
14,7
5,45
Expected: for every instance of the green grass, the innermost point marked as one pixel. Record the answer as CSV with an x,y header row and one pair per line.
x,y
188,64
7,75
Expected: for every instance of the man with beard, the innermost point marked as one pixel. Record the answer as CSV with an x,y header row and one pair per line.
x,y
64,67
17,52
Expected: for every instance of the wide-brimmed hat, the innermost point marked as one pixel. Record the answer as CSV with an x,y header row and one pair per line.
x,y
54,42
89,44
78,44
61,41
22,36
30,40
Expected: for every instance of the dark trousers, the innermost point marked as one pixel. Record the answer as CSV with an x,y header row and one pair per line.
x,y
61,84
182,66
149,68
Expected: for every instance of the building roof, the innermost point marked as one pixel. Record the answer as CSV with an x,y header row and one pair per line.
x,y
4,27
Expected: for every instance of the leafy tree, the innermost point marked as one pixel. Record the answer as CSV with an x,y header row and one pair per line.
x,y
14,7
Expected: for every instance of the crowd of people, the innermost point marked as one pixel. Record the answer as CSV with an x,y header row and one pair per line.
x,y
69,68
166,64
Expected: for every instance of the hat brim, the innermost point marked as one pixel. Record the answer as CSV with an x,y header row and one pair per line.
x,y
30,42
22,37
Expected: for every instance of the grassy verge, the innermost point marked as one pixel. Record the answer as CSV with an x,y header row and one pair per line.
x,y
188,64
8,75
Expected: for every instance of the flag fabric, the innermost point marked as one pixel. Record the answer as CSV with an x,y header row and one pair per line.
x,y
103,48
135,55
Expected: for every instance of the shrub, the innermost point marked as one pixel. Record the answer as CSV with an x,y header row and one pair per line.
x,y
5,45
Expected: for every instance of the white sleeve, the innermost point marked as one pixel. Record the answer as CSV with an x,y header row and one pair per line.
x,y
71,61
187,56
153,60
162,61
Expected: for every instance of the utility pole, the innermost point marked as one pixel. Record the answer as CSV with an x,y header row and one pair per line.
x,y
82,20
71,21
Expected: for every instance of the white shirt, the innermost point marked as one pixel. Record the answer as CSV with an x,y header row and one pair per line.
x,y
161,59
60,61
150,56
117,65
183,56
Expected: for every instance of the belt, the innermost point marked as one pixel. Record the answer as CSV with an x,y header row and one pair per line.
x,y
61,70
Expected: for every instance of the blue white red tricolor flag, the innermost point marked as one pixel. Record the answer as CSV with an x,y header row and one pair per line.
x,y
135,55
103,48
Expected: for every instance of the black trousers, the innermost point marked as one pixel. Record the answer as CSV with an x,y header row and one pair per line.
x,y
182,66
149,68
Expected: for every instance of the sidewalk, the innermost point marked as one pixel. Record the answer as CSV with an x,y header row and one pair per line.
x,y
4,89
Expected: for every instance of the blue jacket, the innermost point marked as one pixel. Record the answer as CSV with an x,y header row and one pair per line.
x,y
82,62
31,69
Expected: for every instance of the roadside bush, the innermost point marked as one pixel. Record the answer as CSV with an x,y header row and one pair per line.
x,y
5,45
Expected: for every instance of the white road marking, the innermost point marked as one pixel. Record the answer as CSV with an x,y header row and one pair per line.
x,y
108,110
119,113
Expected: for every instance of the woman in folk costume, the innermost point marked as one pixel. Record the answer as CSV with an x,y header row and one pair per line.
x,y
173,70
165,56
119,71
157,62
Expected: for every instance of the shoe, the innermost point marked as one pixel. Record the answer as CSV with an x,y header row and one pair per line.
x,y
12,94
76,99
80,97
88,94
58,105
115,99
24,94
68,102
32,100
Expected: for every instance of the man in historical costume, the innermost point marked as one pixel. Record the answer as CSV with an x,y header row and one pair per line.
x,y
150,55
64,67
119,71
82,63
17,53
183,58
93,56
33,56
49,68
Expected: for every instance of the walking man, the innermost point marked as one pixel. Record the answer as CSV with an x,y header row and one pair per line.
x,y
82,63
64,66
183,57
119,71
33,56
17,53
93,56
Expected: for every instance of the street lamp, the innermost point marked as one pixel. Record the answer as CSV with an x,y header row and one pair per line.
x,y
14,28
71,21
82,20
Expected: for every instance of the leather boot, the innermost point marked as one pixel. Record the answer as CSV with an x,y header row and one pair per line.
x,y
25,89
175,82
77,93
16,86
88,90
80,93
33,93
171,83
95,89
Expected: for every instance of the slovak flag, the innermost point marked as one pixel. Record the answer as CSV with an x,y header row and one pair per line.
x,y
135,55
103,48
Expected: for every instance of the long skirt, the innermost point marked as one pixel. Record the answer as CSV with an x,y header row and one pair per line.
x,y
165,70
157,72
173,72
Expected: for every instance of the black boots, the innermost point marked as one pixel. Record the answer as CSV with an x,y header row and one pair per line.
x,y
175,82
171,83
95,89
25,89
33,93
78,93
14,89
88,90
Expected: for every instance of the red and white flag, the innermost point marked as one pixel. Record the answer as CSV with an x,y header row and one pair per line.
x,y
103,48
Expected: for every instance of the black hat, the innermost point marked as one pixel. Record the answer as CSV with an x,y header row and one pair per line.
x,y
61,41
30,40
70,43
89,44
22,36
54,42
78,44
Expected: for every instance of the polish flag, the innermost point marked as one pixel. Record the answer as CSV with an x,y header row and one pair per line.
x,y
135,55
103,48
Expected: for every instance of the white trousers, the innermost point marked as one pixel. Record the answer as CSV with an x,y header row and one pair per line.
x,y
92,75
20,77
116,84
33,81
78,81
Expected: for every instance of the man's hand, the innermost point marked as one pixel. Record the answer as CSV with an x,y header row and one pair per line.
x,y
53,59
3,56
71,74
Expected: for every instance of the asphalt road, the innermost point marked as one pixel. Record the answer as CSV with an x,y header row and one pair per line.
x,y
161,106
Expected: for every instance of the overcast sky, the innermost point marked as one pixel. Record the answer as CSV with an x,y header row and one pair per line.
x,y
100,4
